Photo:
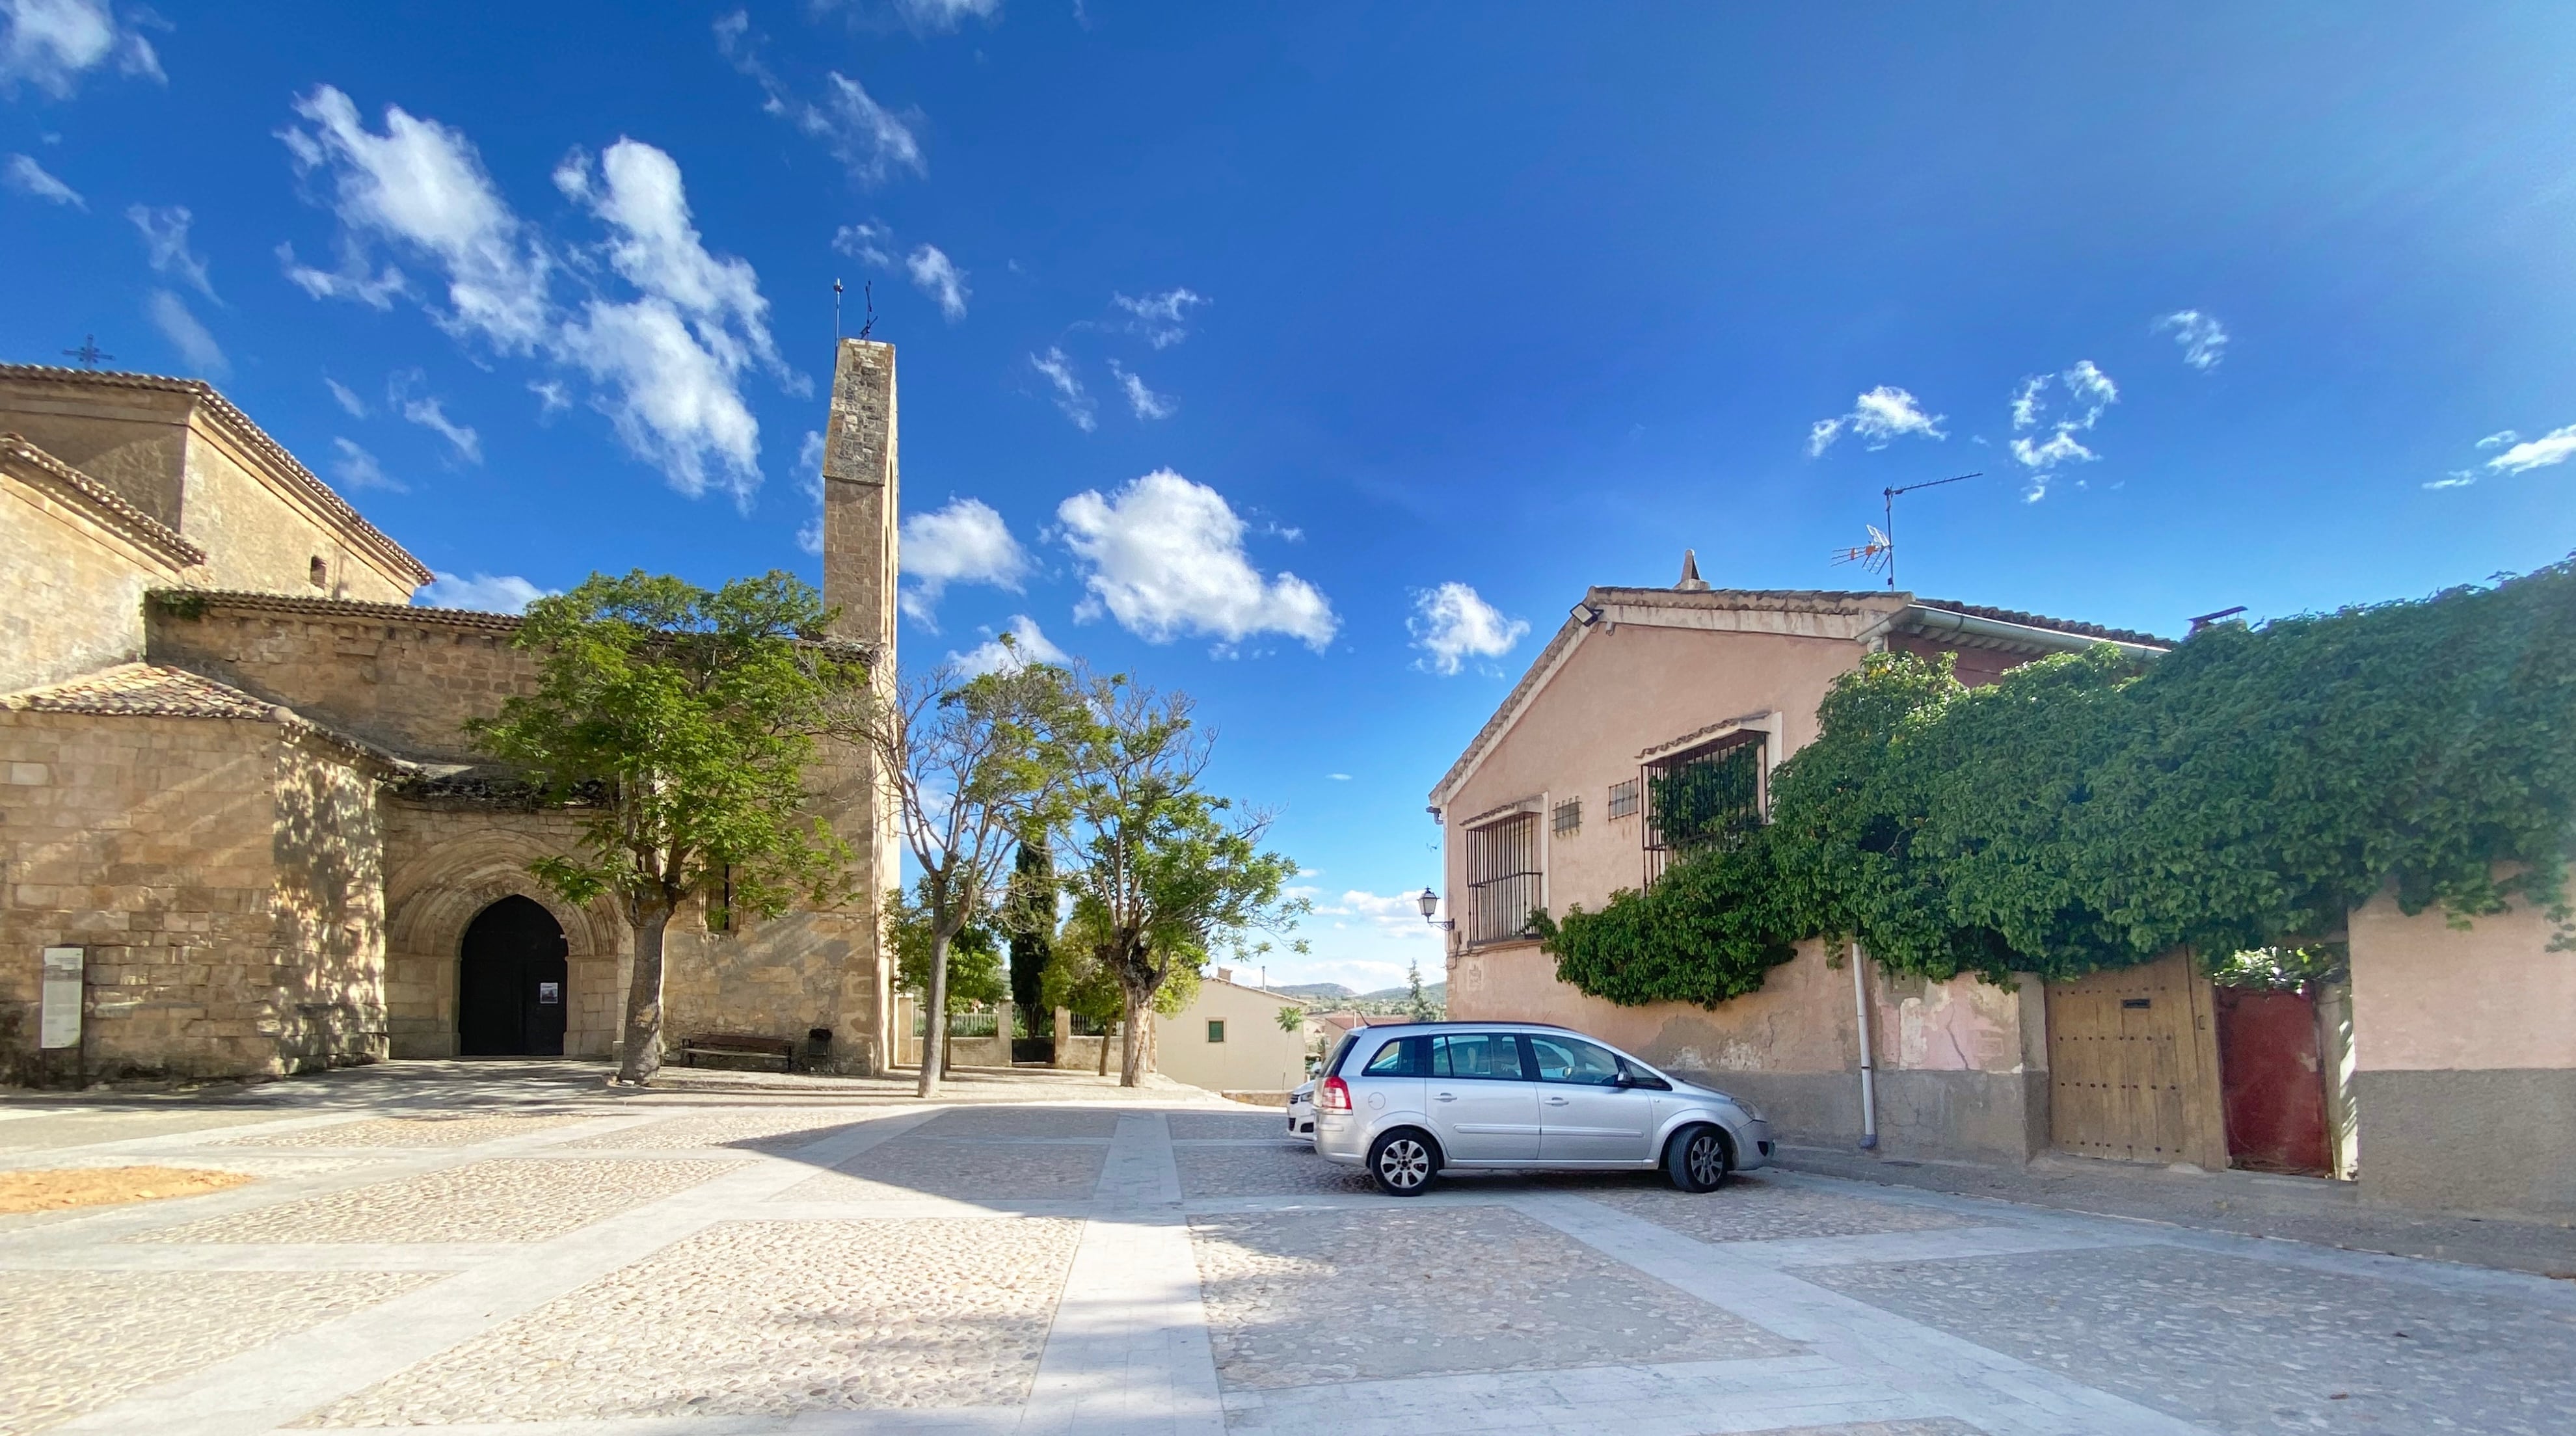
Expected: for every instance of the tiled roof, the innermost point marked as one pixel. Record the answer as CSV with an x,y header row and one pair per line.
x,y
352,608
105,502
2056,625
300,477
144,690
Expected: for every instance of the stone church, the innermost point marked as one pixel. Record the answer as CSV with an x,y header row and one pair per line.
x,y
242,829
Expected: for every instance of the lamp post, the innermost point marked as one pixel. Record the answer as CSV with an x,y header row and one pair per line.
x,y
1429,902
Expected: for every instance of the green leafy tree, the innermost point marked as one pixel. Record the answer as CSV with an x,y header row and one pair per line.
x,y
976,977
1029,918
1077,981
1161,871
676,725
1292,1019
1415,1001
971,760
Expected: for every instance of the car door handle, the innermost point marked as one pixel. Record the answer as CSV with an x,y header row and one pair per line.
x,y
1556,1101
1446,1097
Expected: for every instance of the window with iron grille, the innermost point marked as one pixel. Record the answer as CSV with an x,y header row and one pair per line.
x,y
1502,878
1709,797
1566,817
1623,799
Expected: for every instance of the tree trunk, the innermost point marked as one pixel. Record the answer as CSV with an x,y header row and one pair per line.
x,y
640,1054
1104,1054
1131,1052
934,1022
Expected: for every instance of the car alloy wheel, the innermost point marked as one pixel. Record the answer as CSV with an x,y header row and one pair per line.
x,y
1698,1160
1402,1164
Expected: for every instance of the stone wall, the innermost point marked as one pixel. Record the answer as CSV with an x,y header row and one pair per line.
x,y
71,592
405,679
217,873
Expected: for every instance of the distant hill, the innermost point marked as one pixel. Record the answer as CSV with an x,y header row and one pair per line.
x,y
1436,992
1317,991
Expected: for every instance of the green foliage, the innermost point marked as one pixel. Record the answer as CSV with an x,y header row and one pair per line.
x,y
1162,872
695,714
1292,1019
1709,802
1416,1004
2241,794
1028,919
976,977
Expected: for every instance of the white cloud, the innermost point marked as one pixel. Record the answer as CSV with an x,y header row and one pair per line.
x,y
673,402
2065,404
482,593
1162,318
355,407
965,542
2456,479
28,177
170,315
2554,447
869,140
1146,403
1339,777
809,480
50,44
1878,418
1450,624
935,275
350,281
1070,396
639,194
947,14
2202,337
165,245
355,468
1399,915
421,186
867,243
551,398
1166,558
431,413
2499,439
1026,645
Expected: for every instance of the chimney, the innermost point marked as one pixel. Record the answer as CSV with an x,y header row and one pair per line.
x,y
1225,974
1691,581
860,482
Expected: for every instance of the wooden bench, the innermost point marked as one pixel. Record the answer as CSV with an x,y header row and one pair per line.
x,y
782,1050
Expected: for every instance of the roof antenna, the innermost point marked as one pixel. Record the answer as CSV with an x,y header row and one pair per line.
x,y
868,296
1691,581
1879,554
88,353
836,311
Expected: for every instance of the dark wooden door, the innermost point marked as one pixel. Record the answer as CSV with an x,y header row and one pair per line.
x,y
2272,1082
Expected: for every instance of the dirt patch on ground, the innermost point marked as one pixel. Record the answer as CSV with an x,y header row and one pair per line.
x,y
102,1186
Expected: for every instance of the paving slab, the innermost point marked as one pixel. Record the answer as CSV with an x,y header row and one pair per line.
x,y
511,1199
916,1165
1750,1209
1273,1169
765,1131
1301,1298
2241,1345
756,1317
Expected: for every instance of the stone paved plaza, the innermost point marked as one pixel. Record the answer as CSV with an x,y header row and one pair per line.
x,y
513,1251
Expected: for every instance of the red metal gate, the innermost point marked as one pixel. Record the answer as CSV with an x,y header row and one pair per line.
x,y
2271,1082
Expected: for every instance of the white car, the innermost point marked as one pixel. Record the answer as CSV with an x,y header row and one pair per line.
x,y
1301,1112
1410,1100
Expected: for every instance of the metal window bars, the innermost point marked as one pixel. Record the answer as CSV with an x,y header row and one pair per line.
x,y
1623,799
1566,817
1502,878
1707,797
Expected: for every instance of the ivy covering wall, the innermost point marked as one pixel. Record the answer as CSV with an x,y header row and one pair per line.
x,y
2244,791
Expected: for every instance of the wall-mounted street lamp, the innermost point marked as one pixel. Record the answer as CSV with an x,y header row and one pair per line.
x,y
1429,902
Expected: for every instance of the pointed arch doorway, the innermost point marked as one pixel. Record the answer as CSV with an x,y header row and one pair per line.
x,y
512,983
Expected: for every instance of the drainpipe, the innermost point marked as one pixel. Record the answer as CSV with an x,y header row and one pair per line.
x,y
1868,1068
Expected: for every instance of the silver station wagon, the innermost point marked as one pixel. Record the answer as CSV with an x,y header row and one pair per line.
x,y
1410,1101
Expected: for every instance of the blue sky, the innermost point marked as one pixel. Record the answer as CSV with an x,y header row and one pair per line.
x,y
1426,317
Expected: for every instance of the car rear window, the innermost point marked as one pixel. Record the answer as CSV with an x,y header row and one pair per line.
x,y
1404,1057
1333,1065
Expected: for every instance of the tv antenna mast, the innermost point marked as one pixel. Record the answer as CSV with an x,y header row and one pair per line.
x,y
1879,554
836,311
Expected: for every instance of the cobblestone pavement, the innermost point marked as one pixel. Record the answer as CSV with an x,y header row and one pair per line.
x,y
548,1258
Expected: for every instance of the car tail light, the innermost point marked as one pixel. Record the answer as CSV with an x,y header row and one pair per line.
x,y
1334,1095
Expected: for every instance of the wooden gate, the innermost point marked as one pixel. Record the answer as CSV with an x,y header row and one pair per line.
x,y
2273,1082
2133,1065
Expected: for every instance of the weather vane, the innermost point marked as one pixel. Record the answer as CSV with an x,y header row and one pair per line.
x,y
1879,554
88,353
